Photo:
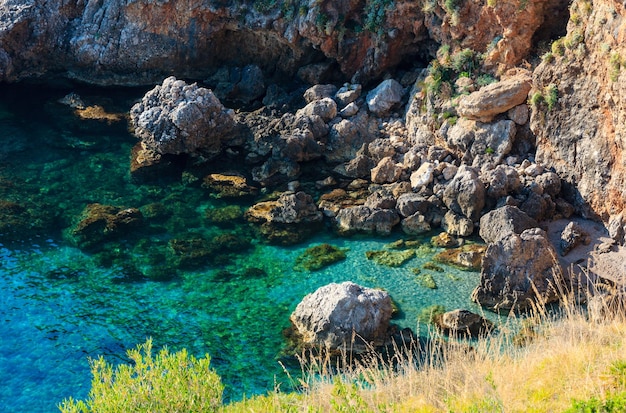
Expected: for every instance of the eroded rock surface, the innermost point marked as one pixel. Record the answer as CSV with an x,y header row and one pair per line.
x,y
581,134
178,118
517,271
338,315
491,100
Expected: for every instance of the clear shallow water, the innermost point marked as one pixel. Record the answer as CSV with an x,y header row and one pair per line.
x,y
60,305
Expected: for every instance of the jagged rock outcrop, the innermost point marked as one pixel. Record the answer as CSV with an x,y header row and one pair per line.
x,y
138,42
517,271
580,107
289,208
501,222
504,30
465,194
177,118
346,314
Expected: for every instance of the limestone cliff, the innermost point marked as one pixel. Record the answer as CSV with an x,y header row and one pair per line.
x,y
141,41
130,42
580,108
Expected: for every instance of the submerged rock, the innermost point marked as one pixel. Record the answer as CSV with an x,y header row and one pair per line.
x,y
467,257
427,281
319,256
98,223
390,258
229,185
194,251
225,216
343,315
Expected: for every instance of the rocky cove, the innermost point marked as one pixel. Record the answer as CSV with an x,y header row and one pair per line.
x,y
280,133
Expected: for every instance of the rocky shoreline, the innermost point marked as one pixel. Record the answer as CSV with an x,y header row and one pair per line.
x,y
392,117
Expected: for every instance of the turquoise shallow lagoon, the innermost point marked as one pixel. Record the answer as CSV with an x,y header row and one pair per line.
x,y
60,305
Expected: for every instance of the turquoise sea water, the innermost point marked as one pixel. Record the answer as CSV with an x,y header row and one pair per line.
x,y
60,305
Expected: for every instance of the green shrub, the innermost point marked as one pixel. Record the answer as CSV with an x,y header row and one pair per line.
x,y
263,6
536,99
547,57
613,403
615,63
558,48
574,39
451,6
552,95
464,61
375,11
485,79
168,383
346,398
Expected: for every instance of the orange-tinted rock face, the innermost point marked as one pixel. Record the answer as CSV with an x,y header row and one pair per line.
x,y
139,42
583,135
503,30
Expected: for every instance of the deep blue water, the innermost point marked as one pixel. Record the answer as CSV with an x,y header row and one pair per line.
x,y
60,305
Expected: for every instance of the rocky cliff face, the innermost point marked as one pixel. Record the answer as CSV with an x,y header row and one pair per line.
x,y
140,41
577,101
134,42
580,108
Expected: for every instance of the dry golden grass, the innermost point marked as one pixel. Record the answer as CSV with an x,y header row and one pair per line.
x,y
568,356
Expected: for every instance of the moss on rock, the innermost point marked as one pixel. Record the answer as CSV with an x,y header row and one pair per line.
x,y
319,256
403,244
427,281
433,267
225,216
431,313
390,258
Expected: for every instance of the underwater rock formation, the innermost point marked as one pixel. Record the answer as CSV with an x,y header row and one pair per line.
x,y
98,223
319,256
